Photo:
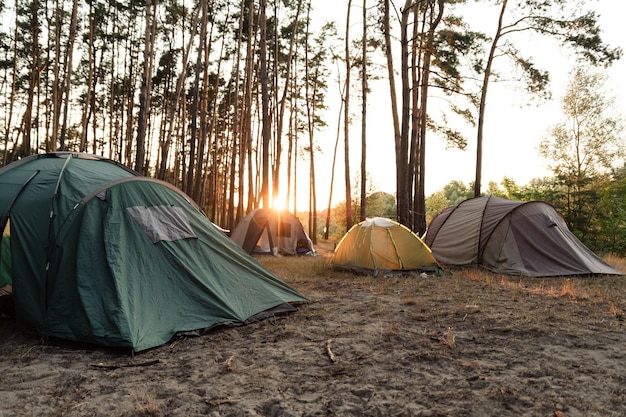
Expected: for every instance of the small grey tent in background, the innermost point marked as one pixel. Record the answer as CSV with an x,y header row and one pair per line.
x,y
102,255
275,232
511,237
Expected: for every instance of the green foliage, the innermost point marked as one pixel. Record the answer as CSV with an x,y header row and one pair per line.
x,y
612,217
378,204
582,151
456,191
434,204
337,224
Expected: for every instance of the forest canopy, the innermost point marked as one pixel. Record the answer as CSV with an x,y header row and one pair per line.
x,y
225,99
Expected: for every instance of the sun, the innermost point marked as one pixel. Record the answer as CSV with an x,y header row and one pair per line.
x,y
279,202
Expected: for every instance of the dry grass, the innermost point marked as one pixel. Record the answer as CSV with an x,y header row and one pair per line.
x,y
609,289
146,404
310,276
617,262
450,339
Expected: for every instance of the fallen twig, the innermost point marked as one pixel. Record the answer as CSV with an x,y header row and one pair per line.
x,y
331,355
125,365
220,401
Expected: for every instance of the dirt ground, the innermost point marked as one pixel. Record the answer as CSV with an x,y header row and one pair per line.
x,y
460,344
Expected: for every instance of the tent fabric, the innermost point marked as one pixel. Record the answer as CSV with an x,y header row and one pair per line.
x,y
381,245
101,255
267,231
511,237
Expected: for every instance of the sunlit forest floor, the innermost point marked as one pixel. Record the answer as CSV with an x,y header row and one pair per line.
x,y
466,343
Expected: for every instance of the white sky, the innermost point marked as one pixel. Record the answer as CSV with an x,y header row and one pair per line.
x,y
513,128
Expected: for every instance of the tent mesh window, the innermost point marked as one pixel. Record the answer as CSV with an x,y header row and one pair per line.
x,y
284,230
162,222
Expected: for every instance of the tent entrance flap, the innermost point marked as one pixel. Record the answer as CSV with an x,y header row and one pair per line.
x,y
5,256
5,215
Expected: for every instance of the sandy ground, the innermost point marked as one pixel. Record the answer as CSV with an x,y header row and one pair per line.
x,y
454,345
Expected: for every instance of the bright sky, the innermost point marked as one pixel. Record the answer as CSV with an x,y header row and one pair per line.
x,y
513,128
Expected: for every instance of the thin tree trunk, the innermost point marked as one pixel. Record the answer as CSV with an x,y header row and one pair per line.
x,y
402,151
195,106
57,86
332,169
237,139
175,101
392,79
346,124
8,129
33,82
291,138
266,118
206,134
67,83
418,50
310,104
419,225
483,102
283,100
112,114
364,116
146,86
246,119
129,102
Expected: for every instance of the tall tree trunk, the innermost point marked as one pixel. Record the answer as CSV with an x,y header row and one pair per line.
x,y
195,106
332,169
266,118
33,81
418,50
419,224
7,132
175,101
283,101
67,83
402,149
236,126
207,130
391,76
57,86
129,102
146,86
346,123
291,139
364,116
310,105
113,115
483,101
246,119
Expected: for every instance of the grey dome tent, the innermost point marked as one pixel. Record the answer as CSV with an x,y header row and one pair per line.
x,y
102,255
511,237
268,231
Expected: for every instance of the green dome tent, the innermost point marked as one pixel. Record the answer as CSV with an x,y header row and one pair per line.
x,y
381,245
102,255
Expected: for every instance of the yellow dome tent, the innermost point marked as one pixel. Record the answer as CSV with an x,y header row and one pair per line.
x,y
381,245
